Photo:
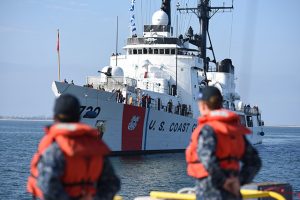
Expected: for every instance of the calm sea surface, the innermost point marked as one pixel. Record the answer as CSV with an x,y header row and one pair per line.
x,y
280,152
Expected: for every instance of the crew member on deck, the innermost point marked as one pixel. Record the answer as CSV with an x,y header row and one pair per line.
x,y
218,146
71,162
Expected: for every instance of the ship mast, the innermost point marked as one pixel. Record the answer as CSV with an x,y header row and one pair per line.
x,y
166,7
204,11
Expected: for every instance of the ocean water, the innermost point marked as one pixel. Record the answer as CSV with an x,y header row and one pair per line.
x,y
280,153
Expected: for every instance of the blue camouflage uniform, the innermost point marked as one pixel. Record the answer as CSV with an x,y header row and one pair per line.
x,y
51,168
211,187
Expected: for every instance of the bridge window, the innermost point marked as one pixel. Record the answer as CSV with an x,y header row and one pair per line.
x,y
167,51
144,51
140,51
249,121
129,51
150,51
242,119
161,51
172,51
155,51
259,122
134,51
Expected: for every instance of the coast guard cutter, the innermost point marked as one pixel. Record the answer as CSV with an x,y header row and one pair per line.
x,y
145,100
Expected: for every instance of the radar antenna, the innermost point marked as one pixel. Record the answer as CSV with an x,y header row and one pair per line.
x,y
204,11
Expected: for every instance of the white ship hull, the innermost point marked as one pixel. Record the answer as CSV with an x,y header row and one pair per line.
x,y
135,129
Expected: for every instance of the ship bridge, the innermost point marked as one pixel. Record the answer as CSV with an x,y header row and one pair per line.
x,y
158,39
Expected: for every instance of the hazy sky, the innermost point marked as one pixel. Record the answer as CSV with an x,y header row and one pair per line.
x,y
265,48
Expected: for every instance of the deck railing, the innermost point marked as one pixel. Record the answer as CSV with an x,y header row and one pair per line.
x,y
246,194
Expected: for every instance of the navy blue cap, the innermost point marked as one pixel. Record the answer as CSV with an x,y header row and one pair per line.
x,y
208,92
67,106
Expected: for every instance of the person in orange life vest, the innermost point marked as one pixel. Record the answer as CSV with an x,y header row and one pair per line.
x,y
71,162
218,146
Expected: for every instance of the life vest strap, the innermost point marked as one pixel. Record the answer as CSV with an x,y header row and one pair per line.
x,y
33,176
84,185
228,158
194,162
81,184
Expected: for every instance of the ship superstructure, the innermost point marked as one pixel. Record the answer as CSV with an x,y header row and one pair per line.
x,y
145,100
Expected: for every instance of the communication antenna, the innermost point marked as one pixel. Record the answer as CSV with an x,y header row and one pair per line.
x,y
117,40
176,52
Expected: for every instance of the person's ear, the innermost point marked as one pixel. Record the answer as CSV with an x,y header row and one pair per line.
x,y
55,118
203,108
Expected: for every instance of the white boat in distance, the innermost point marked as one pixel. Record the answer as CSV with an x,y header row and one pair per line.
x,y
145,100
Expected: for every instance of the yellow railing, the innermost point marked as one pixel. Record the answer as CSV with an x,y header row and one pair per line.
x,y
247,194
117,197
250,194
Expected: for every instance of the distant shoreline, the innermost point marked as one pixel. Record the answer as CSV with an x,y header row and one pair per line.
x,y
283,126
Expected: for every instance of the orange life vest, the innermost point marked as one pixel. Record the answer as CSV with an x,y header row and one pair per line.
x,y
230,145
84,153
